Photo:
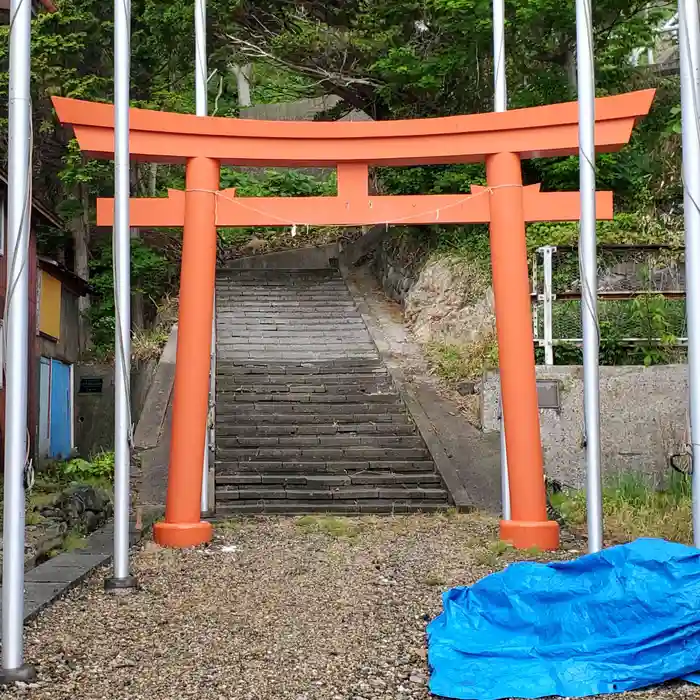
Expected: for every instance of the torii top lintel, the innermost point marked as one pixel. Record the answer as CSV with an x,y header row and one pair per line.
x,y
532,132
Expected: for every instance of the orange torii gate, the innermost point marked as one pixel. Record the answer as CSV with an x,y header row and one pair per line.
x,y
501,139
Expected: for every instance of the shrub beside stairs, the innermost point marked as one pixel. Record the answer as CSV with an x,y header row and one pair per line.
x,y
307,417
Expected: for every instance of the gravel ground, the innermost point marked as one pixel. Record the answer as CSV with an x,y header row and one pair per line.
x,y
279,608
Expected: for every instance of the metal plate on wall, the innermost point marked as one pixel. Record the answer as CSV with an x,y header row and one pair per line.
x,y
547,395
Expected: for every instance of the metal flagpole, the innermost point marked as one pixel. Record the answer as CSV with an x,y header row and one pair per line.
x,y
122,580
500,104
689,46
588,262
17,337
200,43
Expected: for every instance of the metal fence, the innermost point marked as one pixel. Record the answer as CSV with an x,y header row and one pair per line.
x,y
641,297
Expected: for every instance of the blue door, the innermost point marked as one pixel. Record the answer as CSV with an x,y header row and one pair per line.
x,y
44,408
61,417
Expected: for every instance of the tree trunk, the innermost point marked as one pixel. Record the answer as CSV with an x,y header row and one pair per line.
x,y
137,305
80,227
243,75
571,72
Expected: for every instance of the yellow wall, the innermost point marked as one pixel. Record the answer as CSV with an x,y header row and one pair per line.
x,y
50,308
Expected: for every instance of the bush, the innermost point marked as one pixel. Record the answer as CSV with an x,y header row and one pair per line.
x,y
99,468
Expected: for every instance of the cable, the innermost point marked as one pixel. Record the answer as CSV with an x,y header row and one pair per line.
x,y
295,224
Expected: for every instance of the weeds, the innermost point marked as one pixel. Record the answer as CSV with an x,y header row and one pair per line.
x,y
147,344
455,363
100,469
329,525
73,541
633,507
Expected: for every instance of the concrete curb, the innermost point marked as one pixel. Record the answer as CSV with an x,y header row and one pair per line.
x,y
150,426
51,580
425,426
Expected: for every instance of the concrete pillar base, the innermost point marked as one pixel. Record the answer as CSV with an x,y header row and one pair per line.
x,y
182,535
523,534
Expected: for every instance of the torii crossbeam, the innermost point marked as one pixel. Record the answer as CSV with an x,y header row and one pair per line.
x,y
501,140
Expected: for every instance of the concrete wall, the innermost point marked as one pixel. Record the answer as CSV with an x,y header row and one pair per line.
x,y
643,420
313,257
94,412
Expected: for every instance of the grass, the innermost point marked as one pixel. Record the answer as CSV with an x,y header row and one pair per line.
x,y
455,363
633,507
329,525
73,541
149,343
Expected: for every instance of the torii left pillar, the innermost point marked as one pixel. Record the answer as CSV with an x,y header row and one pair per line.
x,y
183,526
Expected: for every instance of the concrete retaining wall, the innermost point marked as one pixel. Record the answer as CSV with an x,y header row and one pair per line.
x,y
643,420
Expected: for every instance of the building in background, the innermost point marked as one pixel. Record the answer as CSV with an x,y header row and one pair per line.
x,y
53,339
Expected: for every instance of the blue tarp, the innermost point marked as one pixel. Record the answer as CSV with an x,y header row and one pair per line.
x,y
627,617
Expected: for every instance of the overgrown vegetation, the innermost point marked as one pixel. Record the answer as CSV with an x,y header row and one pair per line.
x,y
456,363
99,469
634,506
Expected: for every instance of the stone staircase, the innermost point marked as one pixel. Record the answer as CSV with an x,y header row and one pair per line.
x,y
307,417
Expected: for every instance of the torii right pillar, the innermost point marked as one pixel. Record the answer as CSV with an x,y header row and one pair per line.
x,y
529,526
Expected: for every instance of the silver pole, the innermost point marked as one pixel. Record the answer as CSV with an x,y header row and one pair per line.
x,y
547,300
500,92
505,481
500,104
200,43
17,337
588,256
121,249
689,45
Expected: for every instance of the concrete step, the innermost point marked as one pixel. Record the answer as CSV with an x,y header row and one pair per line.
x,y
334,367
352,453
234,409
227,429
288,442
323,480
232,388
388,397
368,378
339,420
348,466
336,506
321,492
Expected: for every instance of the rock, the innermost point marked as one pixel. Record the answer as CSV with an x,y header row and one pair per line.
x,y
467,388
84,507
417,678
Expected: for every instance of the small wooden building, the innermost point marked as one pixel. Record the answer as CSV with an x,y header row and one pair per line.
x,y
54,320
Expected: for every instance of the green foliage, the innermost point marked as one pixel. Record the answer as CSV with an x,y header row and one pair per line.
x,y
100,468
152,275
270,183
